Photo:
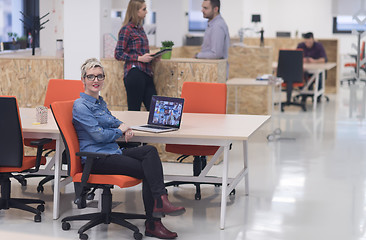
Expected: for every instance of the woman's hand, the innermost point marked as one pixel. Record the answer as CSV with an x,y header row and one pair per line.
x,y
127,131
145,58
128,134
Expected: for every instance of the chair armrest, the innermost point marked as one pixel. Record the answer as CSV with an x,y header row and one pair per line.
x,y
80,200
39,143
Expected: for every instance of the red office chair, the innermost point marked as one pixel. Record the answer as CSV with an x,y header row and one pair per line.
x,y
200,97
84,180
12,157
57,90
354,65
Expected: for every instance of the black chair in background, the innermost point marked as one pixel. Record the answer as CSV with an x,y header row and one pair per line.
x,y
290,69
12,157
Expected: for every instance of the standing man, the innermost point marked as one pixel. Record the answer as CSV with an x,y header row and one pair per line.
x,y
216,40
313,53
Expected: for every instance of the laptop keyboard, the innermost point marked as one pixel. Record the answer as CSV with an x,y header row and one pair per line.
x,y
156,127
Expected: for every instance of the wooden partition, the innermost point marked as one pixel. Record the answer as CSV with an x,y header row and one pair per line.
x,y
331,48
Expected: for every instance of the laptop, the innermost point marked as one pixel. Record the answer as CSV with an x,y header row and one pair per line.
x,y
165,115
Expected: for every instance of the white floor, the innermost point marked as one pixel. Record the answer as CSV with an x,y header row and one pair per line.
x,y
308,184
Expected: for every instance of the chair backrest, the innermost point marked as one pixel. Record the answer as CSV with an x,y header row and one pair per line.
x,y
62,112
204,97
362,51
290,66
11,139
62,90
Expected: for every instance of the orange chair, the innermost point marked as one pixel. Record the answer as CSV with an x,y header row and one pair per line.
x,y
200,97
12,157
57,90
84,180
354,65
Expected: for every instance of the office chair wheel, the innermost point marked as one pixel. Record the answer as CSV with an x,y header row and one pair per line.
x,y
90,196
40,208
270,137
217,185
66,226
232,192
21,179
37,218
197,196
83,236
137,235
40,188
277,131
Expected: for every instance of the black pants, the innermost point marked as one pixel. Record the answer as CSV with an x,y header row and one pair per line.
x,y
140,162
139,88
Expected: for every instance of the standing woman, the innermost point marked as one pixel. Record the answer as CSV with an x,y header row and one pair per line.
x,y
133,48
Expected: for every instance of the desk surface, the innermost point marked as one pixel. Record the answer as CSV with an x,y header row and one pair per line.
x,y
248,82
203,126
28,117
313,66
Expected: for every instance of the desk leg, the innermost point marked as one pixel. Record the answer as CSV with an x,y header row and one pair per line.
x,y
316,85
56,190
245,154
236,99
224,187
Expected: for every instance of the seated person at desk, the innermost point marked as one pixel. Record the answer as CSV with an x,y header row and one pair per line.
x,y
313,53
98,130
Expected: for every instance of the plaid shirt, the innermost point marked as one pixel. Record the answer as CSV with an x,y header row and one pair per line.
x,y
132,42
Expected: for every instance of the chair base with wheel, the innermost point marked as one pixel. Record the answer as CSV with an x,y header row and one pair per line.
x,y
199,163
106,216
6,202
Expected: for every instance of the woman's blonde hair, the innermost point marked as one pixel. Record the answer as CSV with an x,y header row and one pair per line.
x,y
89,64
131,14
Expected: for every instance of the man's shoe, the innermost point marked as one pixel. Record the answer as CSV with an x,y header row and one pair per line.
x,y
163,207
158,230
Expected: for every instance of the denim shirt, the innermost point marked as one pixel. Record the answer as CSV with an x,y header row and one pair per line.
x,y
96,127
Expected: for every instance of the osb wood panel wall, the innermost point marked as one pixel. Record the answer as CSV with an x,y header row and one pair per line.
x,y
331,49
27,79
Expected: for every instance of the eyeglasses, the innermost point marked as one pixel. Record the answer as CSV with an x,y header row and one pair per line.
x,y
99,77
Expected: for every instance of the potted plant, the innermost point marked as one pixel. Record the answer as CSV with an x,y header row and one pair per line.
x,y
15,45
23,42
167,45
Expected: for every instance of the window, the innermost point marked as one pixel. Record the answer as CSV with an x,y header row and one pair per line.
x,y
5,19
345,24
196,21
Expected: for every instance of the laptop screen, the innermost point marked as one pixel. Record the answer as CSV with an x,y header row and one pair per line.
x,y
166,111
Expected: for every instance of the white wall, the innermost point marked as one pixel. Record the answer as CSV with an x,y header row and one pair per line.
x,y
54,29
279,15
171,20
296,15
85,23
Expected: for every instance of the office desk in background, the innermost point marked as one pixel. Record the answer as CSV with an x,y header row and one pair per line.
x,y
205,129
275,89
316,69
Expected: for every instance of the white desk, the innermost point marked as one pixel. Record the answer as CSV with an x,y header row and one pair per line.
x,y
49,130
205,129
236,82
201,129
316,69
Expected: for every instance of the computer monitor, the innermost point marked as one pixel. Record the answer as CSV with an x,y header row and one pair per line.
x,y
256,18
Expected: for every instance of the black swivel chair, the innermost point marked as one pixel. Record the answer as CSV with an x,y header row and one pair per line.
x,y
12,157
290,69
